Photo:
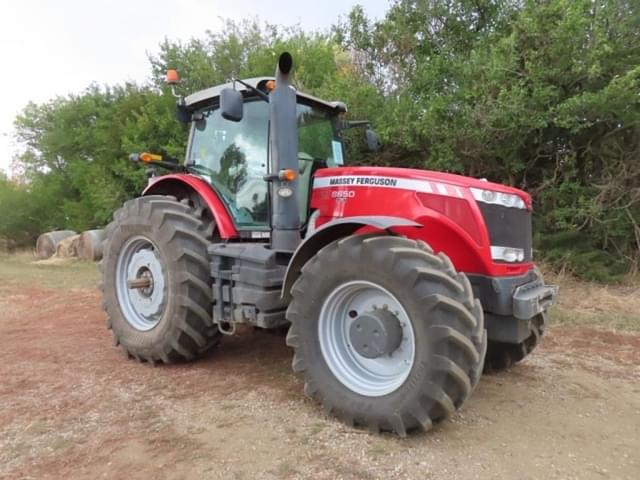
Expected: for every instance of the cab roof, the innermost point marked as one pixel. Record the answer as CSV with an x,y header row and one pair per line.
x,y
210,95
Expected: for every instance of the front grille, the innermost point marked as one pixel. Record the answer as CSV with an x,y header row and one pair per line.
x,y
508,227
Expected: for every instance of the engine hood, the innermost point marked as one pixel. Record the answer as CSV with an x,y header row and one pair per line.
x,y
425,175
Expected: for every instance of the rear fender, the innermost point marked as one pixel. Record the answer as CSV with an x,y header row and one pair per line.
x,y
331,231
181,185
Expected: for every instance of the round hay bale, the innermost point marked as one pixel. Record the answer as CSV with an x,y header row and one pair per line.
x,y
90,245
68,248
47,242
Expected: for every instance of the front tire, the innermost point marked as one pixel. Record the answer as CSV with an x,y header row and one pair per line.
x,y
364,301
502,356
162,243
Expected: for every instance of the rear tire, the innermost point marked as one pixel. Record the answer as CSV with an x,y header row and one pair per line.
x,y
446,330
168,240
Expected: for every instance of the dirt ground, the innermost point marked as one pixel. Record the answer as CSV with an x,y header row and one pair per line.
x,y
71,406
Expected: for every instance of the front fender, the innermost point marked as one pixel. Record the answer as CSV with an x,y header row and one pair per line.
x,y
333,230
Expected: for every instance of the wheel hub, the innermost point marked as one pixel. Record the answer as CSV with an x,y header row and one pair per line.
x,y
359,314
375,333
140,283
143,281
145,265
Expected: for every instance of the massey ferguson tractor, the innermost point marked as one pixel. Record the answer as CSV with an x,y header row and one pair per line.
x,y
397,286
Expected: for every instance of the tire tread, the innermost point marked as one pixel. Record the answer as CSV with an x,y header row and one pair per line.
x,y
414,263
192,333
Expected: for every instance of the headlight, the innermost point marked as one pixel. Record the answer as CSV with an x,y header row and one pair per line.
x,y
507,254
498,198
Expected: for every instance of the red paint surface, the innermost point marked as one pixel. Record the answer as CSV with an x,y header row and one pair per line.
x,y
452,224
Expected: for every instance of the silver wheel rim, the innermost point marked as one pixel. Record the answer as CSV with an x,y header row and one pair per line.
x,y
372,377
142,308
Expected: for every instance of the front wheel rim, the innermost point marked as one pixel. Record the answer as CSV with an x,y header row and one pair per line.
x,y
142,308
371,377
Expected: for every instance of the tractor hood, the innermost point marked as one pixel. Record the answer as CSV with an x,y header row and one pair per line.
x,y
420,180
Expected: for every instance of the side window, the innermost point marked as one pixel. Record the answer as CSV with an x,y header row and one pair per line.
x,y
315,132
316,144
232,156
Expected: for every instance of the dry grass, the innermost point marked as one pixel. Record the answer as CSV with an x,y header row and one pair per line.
x,y
614,307
24,268
72,407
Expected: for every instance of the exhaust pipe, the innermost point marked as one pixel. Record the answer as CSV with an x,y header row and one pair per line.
x,y
283,155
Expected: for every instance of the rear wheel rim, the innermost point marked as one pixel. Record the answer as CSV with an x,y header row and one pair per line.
x,y
371,377
142,308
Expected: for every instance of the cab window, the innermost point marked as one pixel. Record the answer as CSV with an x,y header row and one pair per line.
x,y
232,156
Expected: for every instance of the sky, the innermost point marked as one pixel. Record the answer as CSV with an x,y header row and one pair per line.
x,y
56,47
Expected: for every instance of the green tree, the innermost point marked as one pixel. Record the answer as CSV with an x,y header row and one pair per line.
x,y
542,95
80,144
539,95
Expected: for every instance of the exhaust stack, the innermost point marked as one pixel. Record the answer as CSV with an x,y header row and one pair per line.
x,y
283,155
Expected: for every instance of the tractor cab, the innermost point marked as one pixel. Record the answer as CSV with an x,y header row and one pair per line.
x,y
233,156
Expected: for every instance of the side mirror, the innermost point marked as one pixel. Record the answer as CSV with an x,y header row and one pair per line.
x,y
372,140
231,103
183,114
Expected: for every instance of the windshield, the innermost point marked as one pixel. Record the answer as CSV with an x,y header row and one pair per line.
x,y
232,156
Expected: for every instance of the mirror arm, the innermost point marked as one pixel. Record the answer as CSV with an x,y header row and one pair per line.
x,y
176,167
262,95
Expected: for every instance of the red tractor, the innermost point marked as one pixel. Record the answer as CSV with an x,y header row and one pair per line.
x,y
397,286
